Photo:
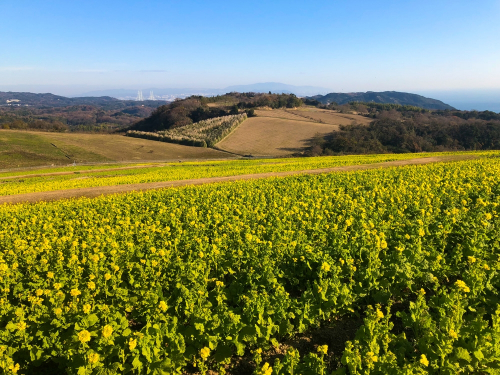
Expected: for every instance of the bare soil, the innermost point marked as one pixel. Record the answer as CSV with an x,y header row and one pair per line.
x,y
106,190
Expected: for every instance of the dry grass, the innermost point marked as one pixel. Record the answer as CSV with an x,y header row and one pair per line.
x,y
329,117
279,113
28,149
273,136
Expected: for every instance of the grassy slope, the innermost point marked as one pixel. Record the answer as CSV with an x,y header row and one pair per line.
x,y
26,149
20,149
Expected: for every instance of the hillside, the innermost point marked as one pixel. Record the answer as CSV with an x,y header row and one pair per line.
x,y
390,97
24,110
199,108
19,149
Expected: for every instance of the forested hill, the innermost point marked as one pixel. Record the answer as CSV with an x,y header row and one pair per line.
x,y
51,100
390,97
197,108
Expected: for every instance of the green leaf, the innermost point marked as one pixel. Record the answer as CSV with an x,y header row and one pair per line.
x,y
223,352
137,364
463,354
479,355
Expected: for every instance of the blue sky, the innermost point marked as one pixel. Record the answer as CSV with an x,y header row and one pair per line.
x,y
342,45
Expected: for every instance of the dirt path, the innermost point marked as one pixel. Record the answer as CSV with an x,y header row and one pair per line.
x,y
105,190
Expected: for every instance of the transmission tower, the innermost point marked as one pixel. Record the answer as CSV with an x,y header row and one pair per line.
x,y
139,96
151,96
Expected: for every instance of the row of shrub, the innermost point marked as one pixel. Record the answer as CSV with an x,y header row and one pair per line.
x,y
204,133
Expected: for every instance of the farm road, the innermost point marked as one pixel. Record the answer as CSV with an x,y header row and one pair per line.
x,y
105,190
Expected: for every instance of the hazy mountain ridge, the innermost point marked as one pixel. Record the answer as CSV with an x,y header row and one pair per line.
x,y
51,100
274,87
390,97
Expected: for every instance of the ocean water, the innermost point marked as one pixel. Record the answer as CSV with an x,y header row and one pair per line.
x,y
468,100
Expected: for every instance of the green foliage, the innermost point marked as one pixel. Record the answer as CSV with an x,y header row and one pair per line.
x,y
150,282
411,131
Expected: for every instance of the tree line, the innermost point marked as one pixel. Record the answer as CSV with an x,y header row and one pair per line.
x,y
401,130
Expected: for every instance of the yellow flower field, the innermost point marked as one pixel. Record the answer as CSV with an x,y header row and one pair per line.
x,y
159,282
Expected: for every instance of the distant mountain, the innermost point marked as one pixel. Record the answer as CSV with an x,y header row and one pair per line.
x,y
274,87
391,97
51,100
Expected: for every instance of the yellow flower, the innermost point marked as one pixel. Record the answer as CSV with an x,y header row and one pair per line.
x,y
265,370
163,306
154,263
84,336
380,314
200,254
39,292
488,216
57,286
93,358
58,311
21,326
75,292
462,286
14,368
325,267
50,275
107,331
87,308
407,236
91,285
453,334
471,259
91,277
323,349
219,283
205,353
116,268
422,291
107,276
486,267
421,232
424,360
132,343
383,244
372,357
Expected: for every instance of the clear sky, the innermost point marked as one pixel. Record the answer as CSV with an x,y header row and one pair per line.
x,y
344,45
